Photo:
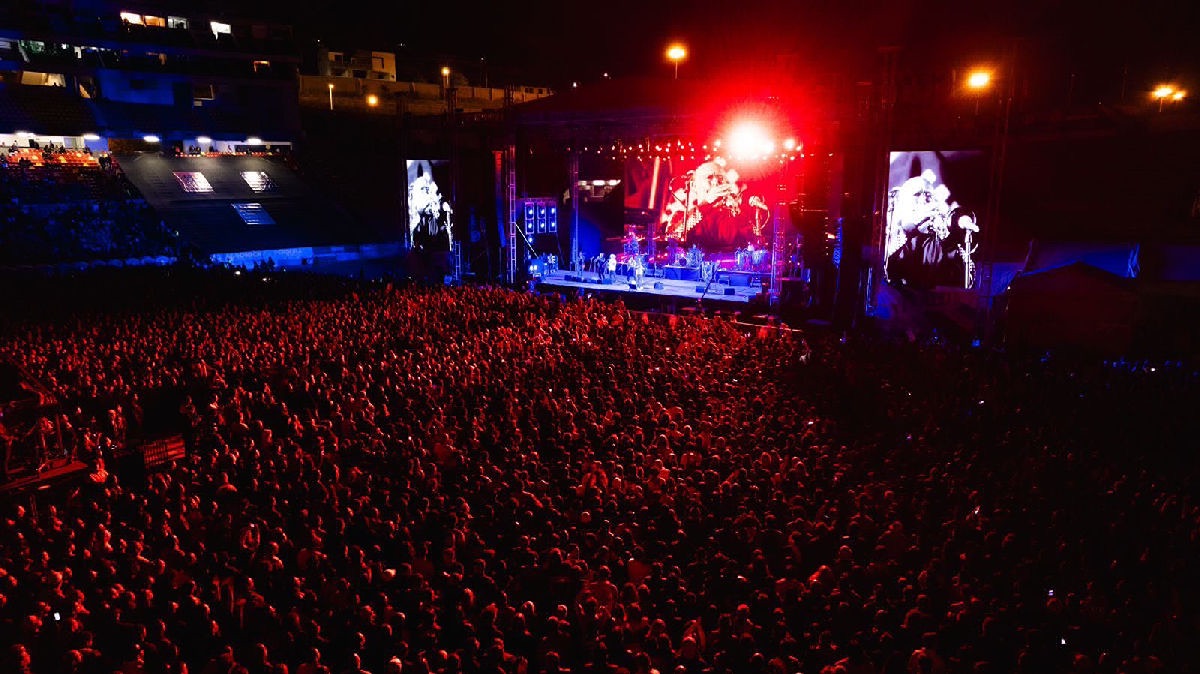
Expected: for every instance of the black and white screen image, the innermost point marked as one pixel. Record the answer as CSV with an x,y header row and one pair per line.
x,y
935,202
430,215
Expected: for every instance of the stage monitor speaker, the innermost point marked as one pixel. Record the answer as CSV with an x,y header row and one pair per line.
x,y
658,285
701,289
632,286
730,291
572,279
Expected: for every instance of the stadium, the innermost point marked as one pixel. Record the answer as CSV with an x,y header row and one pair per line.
x,y
347,356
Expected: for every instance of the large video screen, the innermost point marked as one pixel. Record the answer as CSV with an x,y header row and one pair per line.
x,y
718,204
935,206
430,215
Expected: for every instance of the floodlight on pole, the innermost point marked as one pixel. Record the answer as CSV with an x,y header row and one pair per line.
x,y
676,53
979,79
1164,91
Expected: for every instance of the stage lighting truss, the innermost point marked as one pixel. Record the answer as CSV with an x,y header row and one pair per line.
x,y
747,143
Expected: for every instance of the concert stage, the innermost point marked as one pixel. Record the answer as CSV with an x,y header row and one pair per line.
x,y
730,289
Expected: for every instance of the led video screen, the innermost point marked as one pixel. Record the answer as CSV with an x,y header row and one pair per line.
x,y
718,204
935,206
430,215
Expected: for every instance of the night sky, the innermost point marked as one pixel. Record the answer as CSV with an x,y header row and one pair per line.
x,y
562,40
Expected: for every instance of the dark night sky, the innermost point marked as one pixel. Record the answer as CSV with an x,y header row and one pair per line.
x,y
561,40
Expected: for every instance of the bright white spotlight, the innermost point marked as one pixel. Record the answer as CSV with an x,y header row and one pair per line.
x,y
749,138
150,138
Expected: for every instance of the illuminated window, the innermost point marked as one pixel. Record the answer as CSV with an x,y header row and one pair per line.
x,y
253,213
219,28
258,181
193,182
262,66
130,17
156,21
177,22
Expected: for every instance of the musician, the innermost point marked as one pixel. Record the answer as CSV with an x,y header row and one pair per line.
x,y
707,205
428,214
611,266
917,226
637,270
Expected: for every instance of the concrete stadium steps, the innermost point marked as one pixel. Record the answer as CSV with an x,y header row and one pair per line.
x,y
209,221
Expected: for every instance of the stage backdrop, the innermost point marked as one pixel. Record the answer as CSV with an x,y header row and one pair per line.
x,y
430,215
717,204
935,208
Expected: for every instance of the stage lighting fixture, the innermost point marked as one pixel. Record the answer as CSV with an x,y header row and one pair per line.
x,y
750,139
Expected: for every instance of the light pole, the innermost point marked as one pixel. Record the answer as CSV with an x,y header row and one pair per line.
x,y
979,81
445,80
676,53
1164,92
331,96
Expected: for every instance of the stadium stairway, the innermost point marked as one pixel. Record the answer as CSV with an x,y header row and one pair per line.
x,y
209,218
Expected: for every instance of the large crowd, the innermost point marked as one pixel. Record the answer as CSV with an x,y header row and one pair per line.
x,y
470,480
54,214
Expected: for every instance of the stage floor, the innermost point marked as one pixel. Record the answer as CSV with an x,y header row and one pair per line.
x,y
670,288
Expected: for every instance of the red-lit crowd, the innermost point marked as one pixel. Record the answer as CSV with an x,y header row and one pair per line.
x,y
476,480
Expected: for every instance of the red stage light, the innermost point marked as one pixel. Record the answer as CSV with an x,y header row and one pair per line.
x,y
750,139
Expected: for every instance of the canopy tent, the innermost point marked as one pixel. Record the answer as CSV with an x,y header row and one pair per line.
x,y
1077,306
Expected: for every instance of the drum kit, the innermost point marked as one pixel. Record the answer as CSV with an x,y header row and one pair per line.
x,y
750,258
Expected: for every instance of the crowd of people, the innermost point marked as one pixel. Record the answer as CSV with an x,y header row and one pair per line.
x,y
62,214
467,480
